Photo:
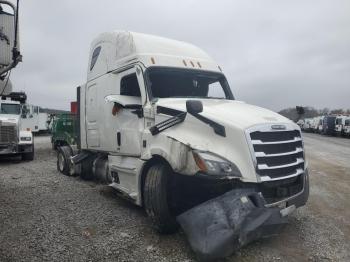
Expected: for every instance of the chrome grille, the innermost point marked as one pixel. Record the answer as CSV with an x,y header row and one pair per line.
x,y
277,154
7,133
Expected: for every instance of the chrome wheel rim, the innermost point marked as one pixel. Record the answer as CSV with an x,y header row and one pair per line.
x,y
61,162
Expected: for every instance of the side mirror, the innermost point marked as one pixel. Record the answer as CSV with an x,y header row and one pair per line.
x,y
131,102
9,53
194,107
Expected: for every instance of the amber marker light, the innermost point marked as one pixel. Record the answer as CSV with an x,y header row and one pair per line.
x,y
200,162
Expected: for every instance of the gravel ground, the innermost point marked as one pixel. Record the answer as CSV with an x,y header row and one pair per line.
x,y
45,216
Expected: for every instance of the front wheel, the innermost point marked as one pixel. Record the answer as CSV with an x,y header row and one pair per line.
x,y
28,156
64,165
157,198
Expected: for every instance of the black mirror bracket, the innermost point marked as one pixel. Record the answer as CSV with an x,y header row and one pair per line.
x,y
194,107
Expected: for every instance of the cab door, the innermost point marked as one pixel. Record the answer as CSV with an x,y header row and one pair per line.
x,y
129,122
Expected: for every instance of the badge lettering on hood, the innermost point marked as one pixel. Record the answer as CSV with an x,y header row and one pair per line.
x,y
278,127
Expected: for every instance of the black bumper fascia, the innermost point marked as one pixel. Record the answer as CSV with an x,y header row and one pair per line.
x,y
11,149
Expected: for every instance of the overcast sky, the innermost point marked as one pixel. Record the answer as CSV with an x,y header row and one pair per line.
x,y
275,54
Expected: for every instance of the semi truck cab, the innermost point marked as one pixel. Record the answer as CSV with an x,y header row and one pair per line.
x,y
347,126
158,121
340,125
14,140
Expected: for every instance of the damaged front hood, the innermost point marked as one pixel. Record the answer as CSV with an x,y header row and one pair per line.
x,y
232,144
229,112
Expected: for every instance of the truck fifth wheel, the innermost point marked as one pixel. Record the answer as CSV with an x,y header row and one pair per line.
x,y
159,123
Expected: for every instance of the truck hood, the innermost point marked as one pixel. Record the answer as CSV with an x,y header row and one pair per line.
x,y
237,118
229,112
11,119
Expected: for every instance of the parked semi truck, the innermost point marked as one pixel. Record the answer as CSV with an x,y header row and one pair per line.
x,y
14,140
158,122
319,127
328,127
340,125
347,127
307,126
64,131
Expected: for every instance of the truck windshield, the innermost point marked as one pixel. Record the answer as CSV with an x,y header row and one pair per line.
x,y
13,109
183,83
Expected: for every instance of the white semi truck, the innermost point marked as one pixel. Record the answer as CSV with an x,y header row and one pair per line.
x,y
347,127
14,140
159,123
340,125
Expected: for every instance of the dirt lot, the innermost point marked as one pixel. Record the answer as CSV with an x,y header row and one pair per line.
x,y
45,216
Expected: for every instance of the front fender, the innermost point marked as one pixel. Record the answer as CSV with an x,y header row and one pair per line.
x,y
177,154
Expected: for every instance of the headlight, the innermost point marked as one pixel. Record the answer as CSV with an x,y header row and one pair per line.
x,y
214,165
26,138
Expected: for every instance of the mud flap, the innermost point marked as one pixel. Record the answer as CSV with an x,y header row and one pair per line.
x,y
218,227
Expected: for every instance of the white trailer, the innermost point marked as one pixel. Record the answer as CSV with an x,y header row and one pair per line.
x,y
159,123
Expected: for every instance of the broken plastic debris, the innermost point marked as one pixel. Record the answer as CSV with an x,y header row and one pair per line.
x,y
220,226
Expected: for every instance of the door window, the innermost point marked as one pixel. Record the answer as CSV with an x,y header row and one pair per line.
x,y
129,86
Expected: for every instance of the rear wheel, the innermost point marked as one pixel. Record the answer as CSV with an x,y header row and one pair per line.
x,y
157,198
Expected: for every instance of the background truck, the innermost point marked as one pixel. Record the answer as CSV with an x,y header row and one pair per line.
x,y
158,122
340,125
34,119
307,125
347,127
64,131
13,139
328,127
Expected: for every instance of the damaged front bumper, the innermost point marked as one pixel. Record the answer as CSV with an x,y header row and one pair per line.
x,y
220,226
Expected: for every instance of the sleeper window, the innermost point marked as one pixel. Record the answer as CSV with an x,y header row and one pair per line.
x,y
129,86
94,57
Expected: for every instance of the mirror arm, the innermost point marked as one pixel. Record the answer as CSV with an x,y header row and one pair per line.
x,y
218,129
16,55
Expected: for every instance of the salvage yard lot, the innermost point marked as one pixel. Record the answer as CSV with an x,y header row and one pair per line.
x,y
51,217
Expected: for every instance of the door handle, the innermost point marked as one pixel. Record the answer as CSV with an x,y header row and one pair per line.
x,y
118,138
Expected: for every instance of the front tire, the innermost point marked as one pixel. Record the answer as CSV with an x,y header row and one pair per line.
x,y
63,160
156,198
28,156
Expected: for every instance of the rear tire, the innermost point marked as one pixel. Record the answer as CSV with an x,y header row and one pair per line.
x,y
156,199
